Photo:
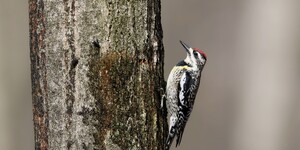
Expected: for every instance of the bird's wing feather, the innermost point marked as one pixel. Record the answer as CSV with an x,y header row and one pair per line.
x,y
184,87
173,118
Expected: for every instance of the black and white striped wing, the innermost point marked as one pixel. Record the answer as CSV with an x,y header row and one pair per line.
x,y
184,103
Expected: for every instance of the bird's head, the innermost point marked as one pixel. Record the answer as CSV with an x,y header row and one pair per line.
x,y
195,57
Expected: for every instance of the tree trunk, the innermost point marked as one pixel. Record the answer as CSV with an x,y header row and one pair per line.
x,y
89,95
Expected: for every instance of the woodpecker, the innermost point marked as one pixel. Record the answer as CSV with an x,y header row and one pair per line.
x,y
182,87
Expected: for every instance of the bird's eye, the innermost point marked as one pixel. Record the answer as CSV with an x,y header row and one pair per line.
x,y
195,54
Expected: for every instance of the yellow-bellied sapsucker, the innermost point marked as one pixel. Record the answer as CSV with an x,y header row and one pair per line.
x,y
182,87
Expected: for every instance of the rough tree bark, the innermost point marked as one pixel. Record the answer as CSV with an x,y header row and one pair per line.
x,y
90,96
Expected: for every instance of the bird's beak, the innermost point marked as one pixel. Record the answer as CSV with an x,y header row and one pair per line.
x,y
186,47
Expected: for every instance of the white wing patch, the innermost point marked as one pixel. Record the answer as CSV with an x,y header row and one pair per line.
x,y
182,92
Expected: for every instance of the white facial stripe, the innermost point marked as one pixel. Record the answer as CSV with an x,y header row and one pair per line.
x,y
193,58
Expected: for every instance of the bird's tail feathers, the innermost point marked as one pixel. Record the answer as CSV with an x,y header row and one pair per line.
x,y
170,138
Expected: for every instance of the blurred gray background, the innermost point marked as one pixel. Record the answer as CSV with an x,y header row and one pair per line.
x,y
249,97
